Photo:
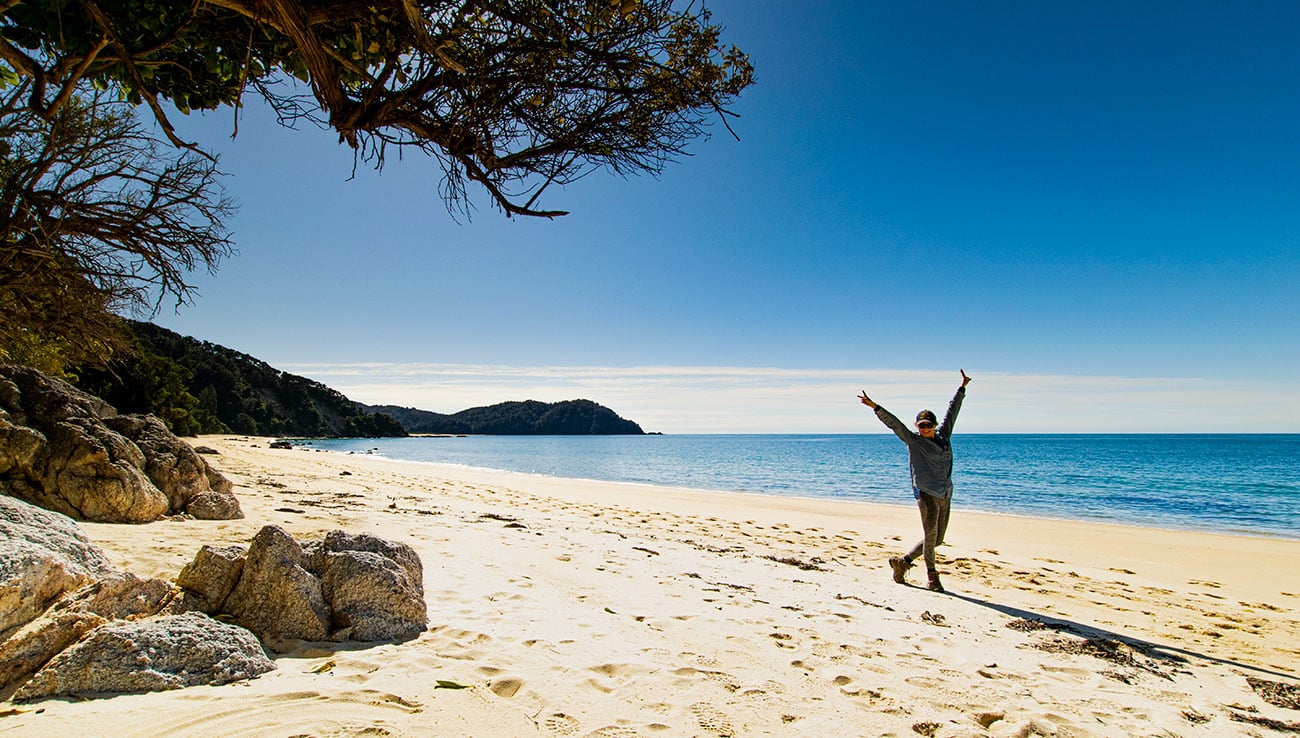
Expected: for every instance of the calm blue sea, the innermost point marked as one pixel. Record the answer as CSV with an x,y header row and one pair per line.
x,y
1224,483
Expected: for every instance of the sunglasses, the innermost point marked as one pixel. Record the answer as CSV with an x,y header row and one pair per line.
x,y
925,424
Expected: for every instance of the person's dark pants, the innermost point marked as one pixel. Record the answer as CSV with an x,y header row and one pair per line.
x,y
934,521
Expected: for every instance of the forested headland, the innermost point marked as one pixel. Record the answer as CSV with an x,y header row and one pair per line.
x,y
527,418
201,387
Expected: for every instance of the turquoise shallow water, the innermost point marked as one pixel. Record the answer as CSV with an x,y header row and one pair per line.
x,y
1223,483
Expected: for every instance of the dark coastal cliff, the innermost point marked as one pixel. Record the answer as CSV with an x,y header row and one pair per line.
x,y
528,418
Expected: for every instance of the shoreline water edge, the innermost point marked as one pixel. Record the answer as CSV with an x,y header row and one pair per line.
x,y
1238,484
570,607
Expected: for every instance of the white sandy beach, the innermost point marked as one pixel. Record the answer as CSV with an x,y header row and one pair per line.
x,y
563,607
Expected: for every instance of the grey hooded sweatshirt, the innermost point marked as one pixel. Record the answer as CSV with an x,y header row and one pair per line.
x,y
929,458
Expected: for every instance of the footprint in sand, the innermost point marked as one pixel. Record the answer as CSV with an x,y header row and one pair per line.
x,y
712,719
560,724
923,682
507,687
782,640
614,731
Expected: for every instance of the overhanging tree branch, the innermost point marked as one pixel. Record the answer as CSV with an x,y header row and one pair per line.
x,y
514,95
96,216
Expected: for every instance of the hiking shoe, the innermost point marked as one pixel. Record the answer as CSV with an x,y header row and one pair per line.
x,y
935,584
900,567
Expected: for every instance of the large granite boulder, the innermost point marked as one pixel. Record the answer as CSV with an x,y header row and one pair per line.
x,y
346,587
120,596
24,653
70,452
177,470
275,596
212,575
153,654
124,595
42,555
374,587
123,633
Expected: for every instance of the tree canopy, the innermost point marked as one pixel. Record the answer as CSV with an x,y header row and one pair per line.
x,y
95,217
513,95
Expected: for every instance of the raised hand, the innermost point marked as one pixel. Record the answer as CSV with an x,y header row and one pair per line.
x,y
867,400
965,380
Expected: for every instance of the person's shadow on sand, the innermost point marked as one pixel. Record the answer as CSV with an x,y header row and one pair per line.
x,y
1102,643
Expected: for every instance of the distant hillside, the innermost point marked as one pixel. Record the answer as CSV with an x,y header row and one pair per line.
x,y
528,418
201,387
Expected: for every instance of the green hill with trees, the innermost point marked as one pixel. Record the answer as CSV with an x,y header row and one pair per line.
x,y
201,387
527,418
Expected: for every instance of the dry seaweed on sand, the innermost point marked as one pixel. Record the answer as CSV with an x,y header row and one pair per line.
x,y
1115,651
1106,649
1252,716
1278,694
497,516
813,565
1029,625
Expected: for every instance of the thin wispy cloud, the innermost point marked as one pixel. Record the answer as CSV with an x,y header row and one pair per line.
x,y
715,399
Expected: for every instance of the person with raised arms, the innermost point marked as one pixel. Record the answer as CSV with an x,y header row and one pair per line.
x,y
929,453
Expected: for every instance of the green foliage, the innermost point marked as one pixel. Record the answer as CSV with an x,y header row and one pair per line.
x,y
200,387
58,330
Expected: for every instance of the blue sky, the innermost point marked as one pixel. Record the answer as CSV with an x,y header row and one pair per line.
x,y
1094,210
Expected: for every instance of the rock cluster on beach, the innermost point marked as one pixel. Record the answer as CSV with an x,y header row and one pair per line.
x,y
59,591
74,624
70,452
345,587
